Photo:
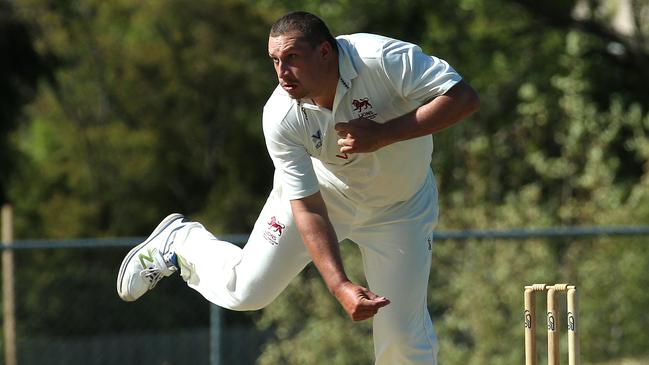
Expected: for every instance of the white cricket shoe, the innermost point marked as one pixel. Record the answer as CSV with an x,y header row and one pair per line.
x,y
149,261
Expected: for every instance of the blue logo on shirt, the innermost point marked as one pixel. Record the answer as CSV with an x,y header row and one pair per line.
x,y
317,139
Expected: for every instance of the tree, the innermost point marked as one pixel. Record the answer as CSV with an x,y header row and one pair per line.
x,y
20,69
152,107
156,106
149,101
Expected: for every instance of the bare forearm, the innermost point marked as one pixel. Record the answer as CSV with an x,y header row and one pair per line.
x,y
312,221
320,240
363,135
442,112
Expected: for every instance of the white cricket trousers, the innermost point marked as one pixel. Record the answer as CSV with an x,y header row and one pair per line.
x,y
395,243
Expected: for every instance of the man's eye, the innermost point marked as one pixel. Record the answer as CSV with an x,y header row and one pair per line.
x,y
292,56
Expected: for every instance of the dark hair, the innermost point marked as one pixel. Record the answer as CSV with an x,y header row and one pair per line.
x,y
311,28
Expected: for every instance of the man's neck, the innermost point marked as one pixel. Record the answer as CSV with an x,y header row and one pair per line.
x,y
328,94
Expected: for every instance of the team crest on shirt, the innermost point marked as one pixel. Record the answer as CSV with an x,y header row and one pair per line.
x,y
364,108
274,230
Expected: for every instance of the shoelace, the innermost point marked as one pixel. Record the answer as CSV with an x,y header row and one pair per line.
x,y
152,274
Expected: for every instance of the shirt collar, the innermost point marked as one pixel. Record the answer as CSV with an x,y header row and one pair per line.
x,y
346,68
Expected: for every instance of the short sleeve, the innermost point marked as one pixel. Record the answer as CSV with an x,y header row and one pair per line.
x,y
416,75
290,158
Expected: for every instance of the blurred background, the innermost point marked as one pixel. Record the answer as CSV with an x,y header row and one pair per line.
x,y
115,113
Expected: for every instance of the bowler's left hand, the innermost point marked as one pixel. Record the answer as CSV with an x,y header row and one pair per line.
x,y
361,135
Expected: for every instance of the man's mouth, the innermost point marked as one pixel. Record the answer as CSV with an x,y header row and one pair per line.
x,y
288,86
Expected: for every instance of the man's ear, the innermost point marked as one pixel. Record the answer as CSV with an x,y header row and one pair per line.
x,y
325,50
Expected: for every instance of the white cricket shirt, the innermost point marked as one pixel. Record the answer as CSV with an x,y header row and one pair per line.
x,y
380,79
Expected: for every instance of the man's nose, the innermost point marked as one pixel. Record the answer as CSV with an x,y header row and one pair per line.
x,y
282,69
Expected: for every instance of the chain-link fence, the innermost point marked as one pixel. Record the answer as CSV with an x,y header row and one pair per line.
x,y
72,315
67,310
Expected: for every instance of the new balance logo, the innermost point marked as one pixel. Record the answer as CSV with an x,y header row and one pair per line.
x,y
144,257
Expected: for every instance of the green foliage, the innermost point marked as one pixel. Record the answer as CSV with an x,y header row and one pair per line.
x,y
156,106
20,68
153,107
151,100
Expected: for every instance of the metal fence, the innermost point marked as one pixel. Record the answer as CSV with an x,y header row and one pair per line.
x,y
60,307
71,315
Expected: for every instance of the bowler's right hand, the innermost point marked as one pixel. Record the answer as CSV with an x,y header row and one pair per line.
x,y
359,302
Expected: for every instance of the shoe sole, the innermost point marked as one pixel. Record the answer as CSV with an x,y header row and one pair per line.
x,y
120,277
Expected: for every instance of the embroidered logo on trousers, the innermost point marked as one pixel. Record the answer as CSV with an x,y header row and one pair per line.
x,y
274,230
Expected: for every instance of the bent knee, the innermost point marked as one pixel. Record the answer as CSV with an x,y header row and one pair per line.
x,y
247,306
249,302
